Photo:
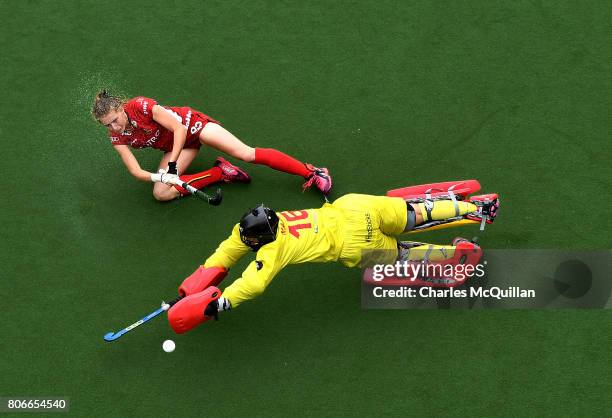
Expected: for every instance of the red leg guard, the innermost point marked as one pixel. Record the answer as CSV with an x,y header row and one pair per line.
x,y
461,189
188,313
463,264
200,180
201,279
281,162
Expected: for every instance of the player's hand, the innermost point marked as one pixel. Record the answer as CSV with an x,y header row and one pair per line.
x,y
212,310
172,169
170,179
216,306
156,177
163,177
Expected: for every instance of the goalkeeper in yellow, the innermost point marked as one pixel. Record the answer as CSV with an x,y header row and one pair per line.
x,y
339,231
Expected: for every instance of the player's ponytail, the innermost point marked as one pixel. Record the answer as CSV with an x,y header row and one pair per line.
x,y
104,103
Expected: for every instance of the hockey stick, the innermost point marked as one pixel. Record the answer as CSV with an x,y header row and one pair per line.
x,y
112,336
214,200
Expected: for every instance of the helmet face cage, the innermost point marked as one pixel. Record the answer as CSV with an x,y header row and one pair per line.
x,y
252,242
258,227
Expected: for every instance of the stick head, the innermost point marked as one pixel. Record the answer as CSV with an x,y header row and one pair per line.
x,y
109,336
216,199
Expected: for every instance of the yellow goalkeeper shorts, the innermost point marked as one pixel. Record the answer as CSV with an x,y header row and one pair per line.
x,y
369,223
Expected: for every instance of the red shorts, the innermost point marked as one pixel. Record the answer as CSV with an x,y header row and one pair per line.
x,y
195,125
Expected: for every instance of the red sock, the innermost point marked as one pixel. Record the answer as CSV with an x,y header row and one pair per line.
x,y
200,180
280,161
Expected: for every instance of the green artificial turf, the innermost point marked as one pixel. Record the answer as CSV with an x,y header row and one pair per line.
x,y
384,93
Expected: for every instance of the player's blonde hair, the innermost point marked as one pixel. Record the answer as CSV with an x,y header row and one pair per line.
x,y
104,103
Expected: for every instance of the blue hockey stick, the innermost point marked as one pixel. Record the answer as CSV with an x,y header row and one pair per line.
x,y
112,336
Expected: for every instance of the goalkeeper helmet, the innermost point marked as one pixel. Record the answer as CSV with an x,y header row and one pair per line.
x,y
258,227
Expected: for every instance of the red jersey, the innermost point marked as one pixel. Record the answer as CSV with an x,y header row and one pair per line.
x,y
147,133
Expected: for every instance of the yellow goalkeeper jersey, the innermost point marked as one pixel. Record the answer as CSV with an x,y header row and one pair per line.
x,y
334,232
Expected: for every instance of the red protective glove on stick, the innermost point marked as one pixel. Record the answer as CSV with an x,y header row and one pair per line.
x,y
202,278
188,313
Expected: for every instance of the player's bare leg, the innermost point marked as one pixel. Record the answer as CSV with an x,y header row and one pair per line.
x,y
219,138
164,192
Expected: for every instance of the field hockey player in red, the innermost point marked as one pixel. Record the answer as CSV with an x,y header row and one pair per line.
x,y
179,132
